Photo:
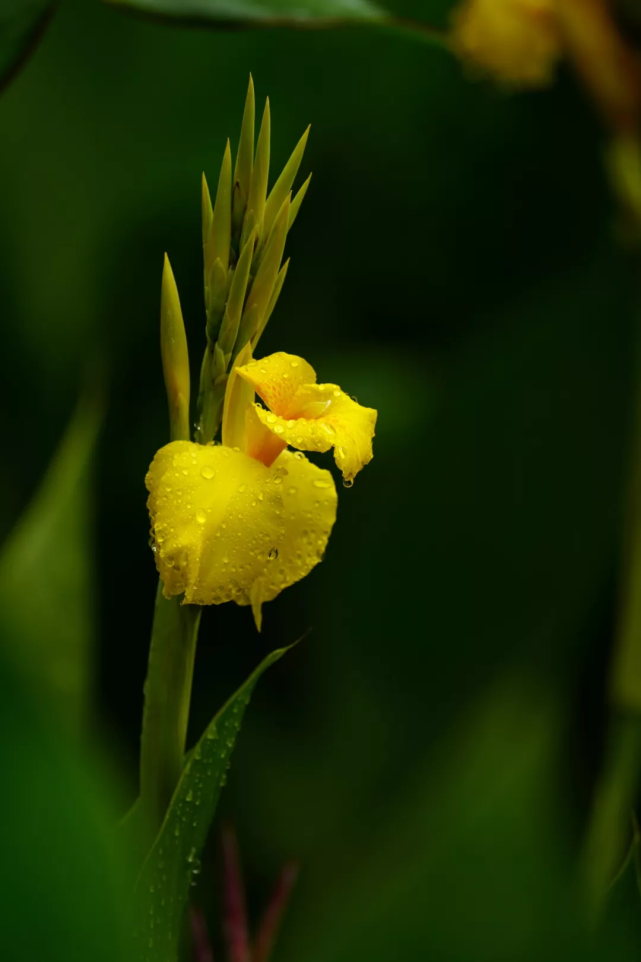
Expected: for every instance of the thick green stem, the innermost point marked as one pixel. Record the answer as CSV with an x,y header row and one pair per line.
x,y
167,698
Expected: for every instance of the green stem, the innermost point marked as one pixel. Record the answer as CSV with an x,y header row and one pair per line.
x,y
167,698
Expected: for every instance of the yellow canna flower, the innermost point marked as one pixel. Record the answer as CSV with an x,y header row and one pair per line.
x,y
517,41
229,528
311,416
238,521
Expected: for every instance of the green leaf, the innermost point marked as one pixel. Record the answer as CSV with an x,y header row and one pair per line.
x,y
46,574
21,24
170,869
286,12
62,877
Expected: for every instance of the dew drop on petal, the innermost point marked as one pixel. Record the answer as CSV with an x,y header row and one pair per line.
x,y
207,472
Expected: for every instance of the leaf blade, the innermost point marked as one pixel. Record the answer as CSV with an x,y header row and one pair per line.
x,y
22,22
165,880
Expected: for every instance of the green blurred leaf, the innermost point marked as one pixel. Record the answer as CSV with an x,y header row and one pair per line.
x,y
21,24
275,12
173,863
47,577
61,875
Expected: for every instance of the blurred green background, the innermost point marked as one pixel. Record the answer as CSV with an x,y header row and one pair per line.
x,y
429,751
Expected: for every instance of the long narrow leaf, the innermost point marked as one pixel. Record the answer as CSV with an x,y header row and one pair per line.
x,y
174,861
47,574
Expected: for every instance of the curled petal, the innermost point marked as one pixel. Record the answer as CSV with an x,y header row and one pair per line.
x,y
277,378
227,527
329,418
311,416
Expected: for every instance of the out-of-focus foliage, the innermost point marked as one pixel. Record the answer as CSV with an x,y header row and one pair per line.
x,y
456,265
60,893
47,575
21,22
274,12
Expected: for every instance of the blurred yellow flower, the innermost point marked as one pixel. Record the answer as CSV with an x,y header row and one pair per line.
x,y
517,41
311,416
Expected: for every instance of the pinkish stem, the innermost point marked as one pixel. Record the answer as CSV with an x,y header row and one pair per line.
x,y
273,917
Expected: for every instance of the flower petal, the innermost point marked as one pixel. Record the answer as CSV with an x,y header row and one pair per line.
x,y
344,424
277,378
216,515
229,528
310,500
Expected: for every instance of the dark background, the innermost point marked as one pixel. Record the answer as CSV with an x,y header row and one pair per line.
x,y
428,752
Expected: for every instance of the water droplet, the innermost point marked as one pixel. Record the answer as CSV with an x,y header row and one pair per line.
x,y
242,488
322,484
261,496
201,517
278,480
279,429
190,795
292,491
271,419
207,472
294,363
192,854
299,455
273,554
348,483
185,470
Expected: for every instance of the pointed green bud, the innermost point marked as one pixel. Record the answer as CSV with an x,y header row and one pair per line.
x,y
264,282
219,239
283,185
244,161
297,201
207,212
175,356
280,280
260,173
236,299
215,297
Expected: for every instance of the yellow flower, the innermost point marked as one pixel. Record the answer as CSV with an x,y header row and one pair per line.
x,y
238,521
518,41
229,528
311,416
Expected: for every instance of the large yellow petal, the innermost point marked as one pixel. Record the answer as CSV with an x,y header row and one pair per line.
x,y
338,422
226,527
309,500
277,378
217,517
